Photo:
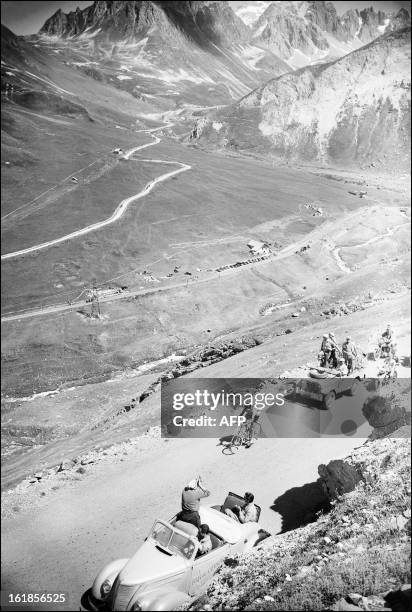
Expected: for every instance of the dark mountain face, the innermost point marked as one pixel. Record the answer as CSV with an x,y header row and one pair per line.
x,y
204,23
113,19
325,17
10,45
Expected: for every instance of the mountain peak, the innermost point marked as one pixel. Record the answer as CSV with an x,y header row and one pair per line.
x,y
201,21
309,32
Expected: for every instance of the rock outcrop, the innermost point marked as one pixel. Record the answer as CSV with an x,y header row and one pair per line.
x,y
338,477
202,358
388,414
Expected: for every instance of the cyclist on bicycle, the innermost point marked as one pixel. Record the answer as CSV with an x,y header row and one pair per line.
x,y
251,424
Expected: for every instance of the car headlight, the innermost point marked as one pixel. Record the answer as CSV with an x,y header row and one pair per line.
x,y
106,588
136,607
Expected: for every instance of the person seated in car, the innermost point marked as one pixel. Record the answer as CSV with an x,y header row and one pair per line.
x,y
247,514
191,496
205,542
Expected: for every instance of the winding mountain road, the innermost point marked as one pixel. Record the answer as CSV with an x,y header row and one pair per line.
x,y
120,209
286,252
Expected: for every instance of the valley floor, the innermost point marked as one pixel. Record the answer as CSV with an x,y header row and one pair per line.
x,y
347,264
346,270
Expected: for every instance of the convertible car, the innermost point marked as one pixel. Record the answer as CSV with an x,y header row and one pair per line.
x,y
167,571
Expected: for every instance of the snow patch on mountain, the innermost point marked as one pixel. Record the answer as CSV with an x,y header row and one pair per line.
x,y
250,55
383,27
249,12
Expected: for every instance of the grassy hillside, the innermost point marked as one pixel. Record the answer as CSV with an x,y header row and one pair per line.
x,y
360,550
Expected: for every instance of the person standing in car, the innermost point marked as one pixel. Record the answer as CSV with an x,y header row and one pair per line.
x,y
193,492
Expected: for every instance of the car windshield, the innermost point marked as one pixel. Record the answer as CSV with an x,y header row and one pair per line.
x,y
174,541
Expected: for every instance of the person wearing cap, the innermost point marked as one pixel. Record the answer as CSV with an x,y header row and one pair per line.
x,y
335,350
387,341
349,352
388,336
246,514
325,350
205,542
193,492
342,367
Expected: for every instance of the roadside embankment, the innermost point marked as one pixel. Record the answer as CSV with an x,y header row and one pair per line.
x,y
354,557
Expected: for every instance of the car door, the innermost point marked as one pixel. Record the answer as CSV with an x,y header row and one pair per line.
x,y
205,566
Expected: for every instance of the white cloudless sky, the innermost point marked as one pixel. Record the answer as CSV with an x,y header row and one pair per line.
x,y
28,17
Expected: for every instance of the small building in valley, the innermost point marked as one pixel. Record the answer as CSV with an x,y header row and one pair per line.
x,y
257,247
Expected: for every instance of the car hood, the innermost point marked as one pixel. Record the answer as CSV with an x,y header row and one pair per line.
x,y
151,563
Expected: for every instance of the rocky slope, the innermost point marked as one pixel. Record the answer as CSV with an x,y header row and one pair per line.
x,y
306,32
202,51
199,50
356,556
202,22
351,111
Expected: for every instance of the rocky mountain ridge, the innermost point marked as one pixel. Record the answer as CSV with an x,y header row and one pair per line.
x,y
202,22
351,111
185,51
307,32
297,32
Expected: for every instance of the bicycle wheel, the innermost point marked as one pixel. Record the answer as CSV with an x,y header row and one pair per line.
x,y
238,439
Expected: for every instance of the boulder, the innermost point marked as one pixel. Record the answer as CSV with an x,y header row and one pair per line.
x,y
338,477
381,411
65,465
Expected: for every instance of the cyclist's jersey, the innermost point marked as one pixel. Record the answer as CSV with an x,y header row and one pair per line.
x,y
247,412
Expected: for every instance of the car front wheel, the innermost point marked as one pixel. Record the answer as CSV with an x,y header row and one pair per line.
x,y
89,603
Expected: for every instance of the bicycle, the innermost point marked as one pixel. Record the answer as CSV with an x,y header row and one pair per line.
x,y
245,434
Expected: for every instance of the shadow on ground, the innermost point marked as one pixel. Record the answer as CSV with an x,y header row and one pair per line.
x,y
299,506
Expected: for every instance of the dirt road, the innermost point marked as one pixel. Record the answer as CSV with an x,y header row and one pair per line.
x,y
60,546
120,208
315,236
